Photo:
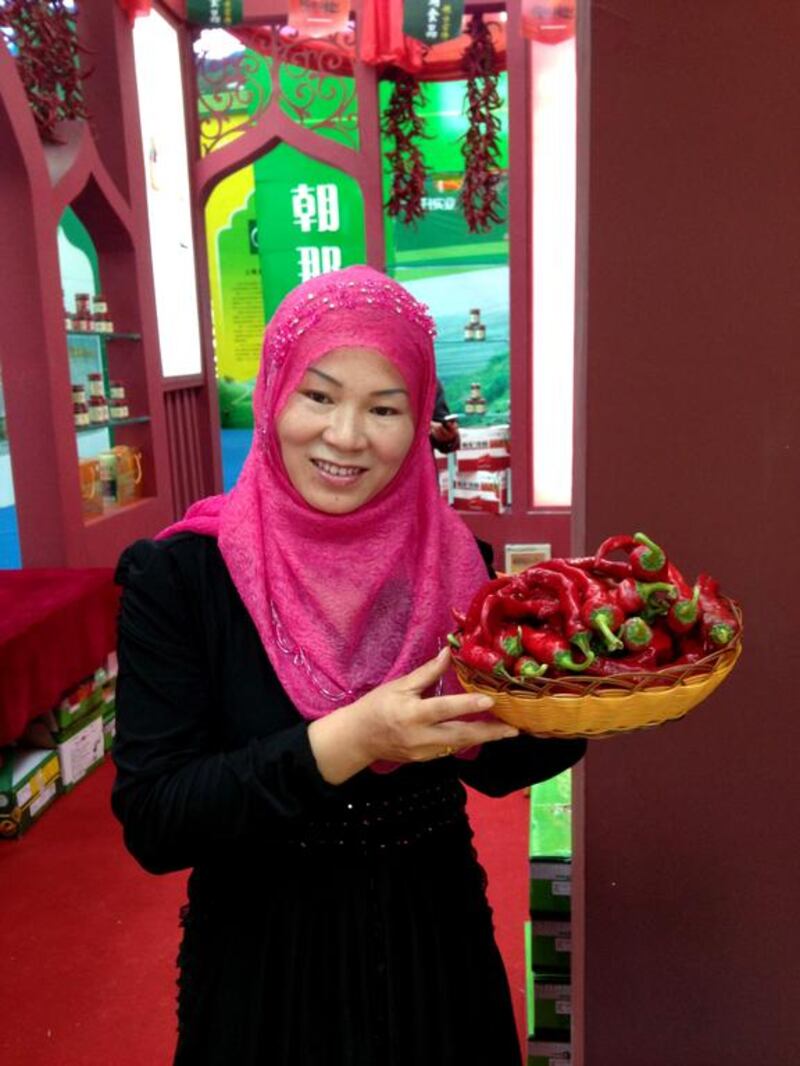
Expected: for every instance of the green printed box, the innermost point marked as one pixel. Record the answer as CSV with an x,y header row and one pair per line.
x,y
550,887
549,1052
550,831
30,780
552,1007
80,748
109,727
80,701
556,790
528,978
551,946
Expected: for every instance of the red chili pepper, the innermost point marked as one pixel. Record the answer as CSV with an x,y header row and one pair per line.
x,y
487,660
569,602
473,618
636,634
691,650
532,607
683,614
459,617
614,568
676,578
663,645
553,650
635,596
508,641
648,561
626,664
603,614
719,624
527,667
586,584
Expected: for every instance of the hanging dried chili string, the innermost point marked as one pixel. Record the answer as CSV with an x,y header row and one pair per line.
x,y
479,195
43,38
403,124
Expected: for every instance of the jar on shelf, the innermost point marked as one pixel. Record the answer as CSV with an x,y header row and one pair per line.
x,y
107,462
98,410
101,321
479,332
80,415
118,409
96,384
116,390
82,319
79,394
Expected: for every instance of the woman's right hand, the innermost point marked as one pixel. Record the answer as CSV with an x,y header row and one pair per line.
x,y
396,723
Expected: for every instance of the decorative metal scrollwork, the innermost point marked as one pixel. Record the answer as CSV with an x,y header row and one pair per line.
x,y
233,93
312,82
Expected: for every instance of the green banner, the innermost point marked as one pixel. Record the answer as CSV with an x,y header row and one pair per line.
x,y
432,21
214,13
310,221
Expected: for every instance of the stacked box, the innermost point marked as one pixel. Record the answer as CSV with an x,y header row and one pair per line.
x,y
549,1053
485,491
552,1007
551,888
30,780
551,946
80,748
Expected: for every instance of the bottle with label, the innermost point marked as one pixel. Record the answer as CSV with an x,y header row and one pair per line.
x,y
101,321
98,410
79,394
80,414
118,409
96,385
82,319
479,332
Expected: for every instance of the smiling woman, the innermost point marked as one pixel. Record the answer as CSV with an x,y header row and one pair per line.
x,y
346,430
285,718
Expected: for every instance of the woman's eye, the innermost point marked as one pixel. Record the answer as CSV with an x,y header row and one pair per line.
x,y
316,397
385,412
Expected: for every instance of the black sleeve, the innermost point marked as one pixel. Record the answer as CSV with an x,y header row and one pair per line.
x,y
177,795
506,765
440,407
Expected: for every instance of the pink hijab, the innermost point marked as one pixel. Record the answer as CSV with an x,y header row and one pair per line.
x,y
344,602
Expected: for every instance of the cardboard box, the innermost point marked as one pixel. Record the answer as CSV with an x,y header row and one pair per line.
x,y
551,946
30,780
485,491
82,700
550,887
549,1052
550,834
477,438
552,1007
80,749
474,459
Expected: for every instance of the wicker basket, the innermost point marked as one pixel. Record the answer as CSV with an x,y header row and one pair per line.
x,y
596,707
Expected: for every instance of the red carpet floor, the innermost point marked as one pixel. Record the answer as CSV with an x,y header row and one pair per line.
x,y
88,940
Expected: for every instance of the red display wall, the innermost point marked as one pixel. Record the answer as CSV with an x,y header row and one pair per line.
x,y
688,380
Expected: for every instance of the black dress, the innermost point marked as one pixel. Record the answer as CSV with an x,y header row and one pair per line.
x,y
328,925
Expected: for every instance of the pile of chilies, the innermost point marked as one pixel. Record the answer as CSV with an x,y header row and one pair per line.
x,y
594,615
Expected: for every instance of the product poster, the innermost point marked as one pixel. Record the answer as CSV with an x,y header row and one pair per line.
x,y
461,276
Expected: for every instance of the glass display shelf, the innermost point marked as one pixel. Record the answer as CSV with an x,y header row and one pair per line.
x,y
113,423
488,338
116,336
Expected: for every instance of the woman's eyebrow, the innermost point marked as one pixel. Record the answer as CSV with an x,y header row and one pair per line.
x,y
338,384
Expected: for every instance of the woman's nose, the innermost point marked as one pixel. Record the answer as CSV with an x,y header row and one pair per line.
x,y
345,429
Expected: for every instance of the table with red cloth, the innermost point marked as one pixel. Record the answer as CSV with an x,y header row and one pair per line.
x,y
56,628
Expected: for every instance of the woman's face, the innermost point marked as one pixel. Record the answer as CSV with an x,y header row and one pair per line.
x,y
346,429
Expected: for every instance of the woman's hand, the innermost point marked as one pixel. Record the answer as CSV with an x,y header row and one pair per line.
x,y
394,722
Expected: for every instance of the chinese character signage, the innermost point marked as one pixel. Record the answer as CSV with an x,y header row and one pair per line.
x,y
432,21
214,13
311,221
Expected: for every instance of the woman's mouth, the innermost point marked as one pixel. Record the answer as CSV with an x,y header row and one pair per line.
x,y
334,472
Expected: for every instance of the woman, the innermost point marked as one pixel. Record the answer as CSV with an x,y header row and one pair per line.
x,y
286,721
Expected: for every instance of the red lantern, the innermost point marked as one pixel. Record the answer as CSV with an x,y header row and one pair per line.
x,y
132,8
548,21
